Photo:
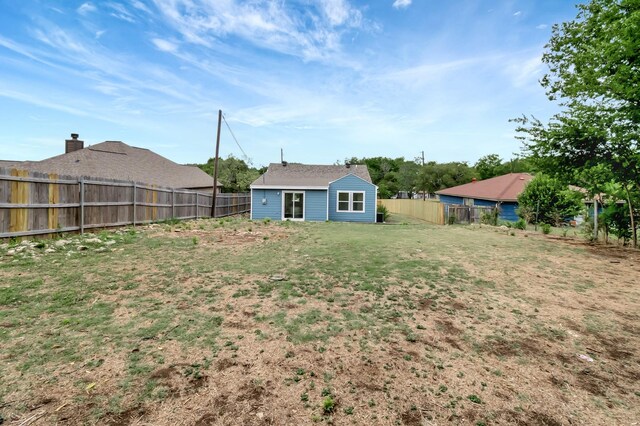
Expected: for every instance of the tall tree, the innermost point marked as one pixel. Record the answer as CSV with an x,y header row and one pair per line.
x,y
233,173
594,74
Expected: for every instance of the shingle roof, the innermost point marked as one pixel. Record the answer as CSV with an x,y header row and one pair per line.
x,y
117,160
500,188
301,175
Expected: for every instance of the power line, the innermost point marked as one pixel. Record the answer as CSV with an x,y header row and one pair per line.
x,y
246,157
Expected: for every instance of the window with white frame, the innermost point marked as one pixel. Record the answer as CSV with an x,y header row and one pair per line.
x,y
351,201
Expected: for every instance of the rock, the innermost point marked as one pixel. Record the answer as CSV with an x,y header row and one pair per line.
x,y
21,249
503,227
50,250
82,248
25,243
109,242
278,277
100,249
93,240
260,415
61,243
11,252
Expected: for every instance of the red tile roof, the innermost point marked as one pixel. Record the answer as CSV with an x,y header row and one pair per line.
x,y
500,188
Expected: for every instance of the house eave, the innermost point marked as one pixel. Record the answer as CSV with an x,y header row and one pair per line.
x,y
287,187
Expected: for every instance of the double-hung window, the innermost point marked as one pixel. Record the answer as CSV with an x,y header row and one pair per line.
x,y
351,201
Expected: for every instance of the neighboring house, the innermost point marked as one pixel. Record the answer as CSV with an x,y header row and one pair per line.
x,y
500,191
117,160
288,191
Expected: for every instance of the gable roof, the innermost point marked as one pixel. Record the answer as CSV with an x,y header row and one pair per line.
x,y
117,160
500,188
308,175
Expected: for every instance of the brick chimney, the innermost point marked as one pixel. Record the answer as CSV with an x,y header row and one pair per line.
x,y
73,144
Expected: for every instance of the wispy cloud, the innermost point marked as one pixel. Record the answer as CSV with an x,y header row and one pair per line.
x,y
164,45
121,12
401,4
312,33
86,8
518,13
542,26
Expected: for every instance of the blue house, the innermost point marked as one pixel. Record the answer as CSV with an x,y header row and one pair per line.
x,y
290,191
500,191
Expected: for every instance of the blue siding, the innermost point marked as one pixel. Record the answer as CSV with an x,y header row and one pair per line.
x,y
273,207
353,183
484,203
315,204
508,212
448,199
507,209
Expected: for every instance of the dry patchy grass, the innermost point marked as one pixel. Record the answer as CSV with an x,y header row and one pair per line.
x,y
239,322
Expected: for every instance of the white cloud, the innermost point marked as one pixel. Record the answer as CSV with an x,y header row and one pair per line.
x,y
542,26
120,12
86,8
401,4
100,33
525,72
312,33
165,45
518,13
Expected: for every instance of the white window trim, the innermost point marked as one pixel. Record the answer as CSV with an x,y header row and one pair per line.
x,y
364,201
304,205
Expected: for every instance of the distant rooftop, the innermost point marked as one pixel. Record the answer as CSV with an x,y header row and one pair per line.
x,y
296,174
117,160
500,188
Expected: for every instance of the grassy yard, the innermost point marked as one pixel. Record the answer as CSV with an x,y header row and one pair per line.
x,y
251,323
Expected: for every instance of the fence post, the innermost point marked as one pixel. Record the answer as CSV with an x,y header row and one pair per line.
x,y
197,205
82,205
135,187
173,204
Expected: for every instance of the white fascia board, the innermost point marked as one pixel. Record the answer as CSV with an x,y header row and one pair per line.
x,y
351,174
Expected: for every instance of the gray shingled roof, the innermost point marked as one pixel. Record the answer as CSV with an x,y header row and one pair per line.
x,y
117,160
294,174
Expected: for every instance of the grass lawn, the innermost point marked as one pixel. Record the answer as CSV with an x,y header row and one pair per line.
x,y
238,322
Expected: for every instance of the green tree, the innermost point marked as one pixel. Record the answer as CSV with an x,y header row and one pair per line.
x,y
436,176
594,74
489,166
550,200
233,173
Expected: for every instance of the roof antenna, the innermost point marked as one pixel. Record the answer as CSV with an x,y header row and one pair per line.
x,y
284,163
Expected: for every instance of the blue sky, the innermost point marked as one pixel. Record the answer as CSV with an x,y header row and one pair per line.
x,y
322,79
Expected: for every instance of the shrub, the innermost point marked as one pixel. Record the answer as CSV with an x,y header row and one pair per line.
x,y
490,217
521,224
385,212
546,228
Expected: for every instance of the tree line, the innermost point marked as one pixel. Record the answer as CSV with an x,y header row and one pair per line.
x,y
391,175
396,175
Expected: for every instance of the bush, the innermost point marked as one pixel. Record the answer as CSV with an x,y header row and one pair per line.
x,y
546,228
385,212
521,224
490,217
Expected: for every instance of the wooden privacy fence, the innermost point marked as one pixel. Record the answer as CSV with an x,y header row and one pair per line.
x,y
466,214
428,210
33,203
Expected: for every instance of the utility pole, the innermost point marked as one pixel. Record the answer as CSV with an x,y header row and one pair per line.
x,y
215,167
423,158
